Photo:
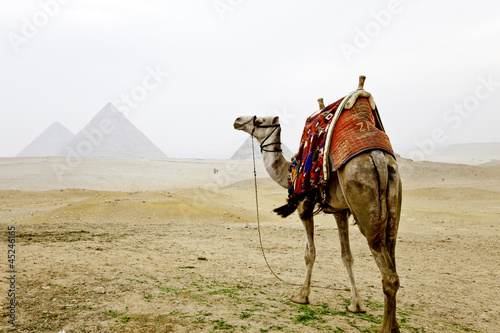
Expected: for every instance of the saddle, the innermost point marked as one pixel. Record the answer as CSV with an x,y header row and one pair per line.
x,y
332,137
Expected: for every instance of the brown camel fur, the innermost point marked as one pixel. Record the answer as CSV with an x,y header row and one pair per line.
x,y
368,187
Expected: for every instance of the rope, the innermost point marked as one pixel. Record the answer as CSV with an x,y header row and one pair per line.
x,y
258,219
258,228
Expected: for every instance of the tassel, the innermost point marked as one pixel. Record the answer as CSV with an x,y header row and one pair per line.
x,y
290,207
286,210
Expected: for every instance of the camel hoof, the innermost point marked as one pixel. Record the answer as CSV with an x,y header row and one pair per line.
x,y
356,308
393,330
299,299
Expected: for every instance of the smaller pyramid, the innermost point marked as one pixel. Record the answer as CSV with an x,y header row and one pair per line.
x,y
49,142
111,135
245,150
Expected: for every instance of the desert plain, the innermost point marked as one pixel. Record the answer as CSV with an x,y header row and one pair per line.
x,y
137,245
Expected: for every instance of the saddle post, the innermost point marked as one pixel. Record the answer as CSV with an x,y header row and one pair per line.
x,y
362,79
321,103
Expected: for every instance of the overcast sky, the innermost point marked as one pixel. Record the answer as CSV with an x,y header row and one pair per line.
x,y
182,71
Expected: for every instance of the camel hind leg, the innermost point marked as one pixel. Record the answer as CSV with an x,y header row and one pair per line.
x,y
386,255
384,251
372,188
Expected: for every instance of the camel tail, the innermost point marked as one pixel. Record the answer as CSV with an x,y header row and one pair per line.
x,y
380,163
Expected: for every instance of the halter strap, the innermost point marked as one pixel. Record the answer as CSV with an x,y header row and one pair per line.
x,y
263,145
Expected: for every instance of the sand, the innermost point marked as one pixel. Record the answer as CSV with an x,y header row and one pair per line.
x,y
170,246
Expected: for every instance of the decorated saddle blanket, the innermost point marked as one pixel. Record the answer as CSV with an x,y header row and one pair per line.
x,y
356,130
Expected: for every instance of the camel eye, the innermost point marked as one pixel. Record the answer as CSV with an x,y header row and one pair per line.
x,y
259,121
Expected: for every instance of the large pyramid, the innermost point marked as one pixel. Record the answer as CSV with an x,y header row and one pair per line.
x,y
49,142
245,151
111,135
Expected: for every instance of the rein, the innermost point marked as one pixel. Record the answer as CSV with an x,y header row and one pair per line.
x,y
257,201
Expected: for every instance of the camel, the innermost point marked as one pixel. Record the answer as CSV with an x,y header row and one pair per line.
x,y
368,187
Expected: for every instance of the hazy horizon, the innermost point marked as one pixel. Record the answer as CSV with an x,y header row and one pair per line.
x,y
403,151
182,71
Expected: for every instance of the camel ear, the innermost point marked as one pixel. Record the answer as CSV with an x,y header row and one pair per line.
x,y
276,120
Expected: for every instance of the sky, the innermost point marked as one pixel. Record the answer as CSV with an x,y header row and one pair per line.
x,y
183,71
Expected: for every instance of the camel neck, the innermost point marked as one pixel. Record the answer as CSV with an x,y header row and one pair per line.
x,y
275,163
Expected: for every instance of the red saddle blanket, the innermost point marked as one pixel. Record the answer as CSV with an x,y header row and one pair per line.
x,y
357,130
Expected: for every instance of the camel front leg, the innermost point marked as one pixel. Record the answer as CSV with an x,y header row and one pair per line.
x,y
348,261
305,210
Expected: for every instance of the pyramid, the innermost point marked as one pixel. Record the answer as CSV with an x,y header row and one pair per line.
x,y
49,142
245,150
111,135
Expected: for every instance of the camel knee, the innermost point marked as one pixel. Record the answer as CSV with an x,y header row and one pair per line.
x,y
347,260
310,256
390,285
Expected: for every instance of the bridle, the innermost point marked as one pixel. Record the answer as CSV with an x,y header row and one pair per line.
x,y
263,145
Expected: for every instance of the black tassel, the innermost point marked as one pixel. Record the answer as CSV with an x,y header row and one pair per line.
x,y
292,203
285,210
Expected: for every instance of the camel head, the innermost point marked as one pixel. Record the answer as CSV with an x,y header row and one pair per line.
x,y
260,127
267,131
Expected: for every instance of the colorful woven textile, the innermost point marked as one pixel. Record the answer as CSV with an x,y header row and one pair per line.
x,y
357,130
307,166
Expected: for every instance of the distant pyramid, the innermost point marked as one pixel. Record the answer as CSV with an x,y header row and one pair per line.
x,y
111,134
245,150
49,142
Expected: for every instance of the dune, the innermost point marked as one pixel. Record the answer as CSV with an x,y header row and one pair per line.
x,y
165,241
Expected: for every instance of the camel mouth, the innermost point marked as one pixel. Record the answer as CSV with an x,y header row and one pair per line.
x,y
240,123
237,125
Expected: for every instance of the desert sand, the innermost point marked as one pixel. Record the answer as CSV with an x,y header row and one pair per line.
x,y
168,245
